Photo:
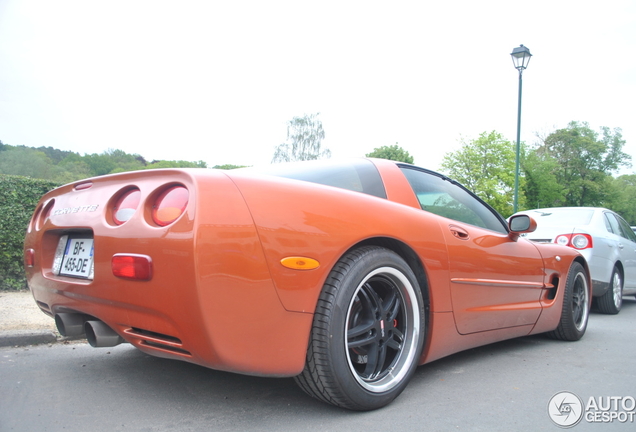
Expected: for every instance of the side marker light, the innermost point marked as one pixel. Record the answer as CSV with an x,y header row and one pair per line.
x,y
300,263
29,257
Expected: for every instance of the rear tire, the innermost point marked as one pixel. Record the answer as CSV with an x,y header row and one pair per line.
x,y
576,306
610,303
368,331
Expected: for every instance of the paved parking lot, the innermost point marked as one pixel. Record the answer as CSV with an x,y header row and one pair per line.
x,y
501,387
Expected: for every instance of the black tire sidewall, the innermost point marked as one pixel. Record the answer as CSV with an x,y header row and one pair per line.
x,y
574,332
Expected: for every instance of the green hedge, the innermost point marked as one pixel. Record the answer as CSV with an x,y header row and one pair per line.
x,y
18,198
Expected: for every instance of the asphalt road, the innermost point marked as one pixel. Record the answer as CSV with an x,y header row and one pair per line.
x,y
501,387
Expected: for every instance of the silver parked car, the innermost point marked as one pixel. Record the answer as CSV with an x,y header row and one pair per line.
x,y
606,241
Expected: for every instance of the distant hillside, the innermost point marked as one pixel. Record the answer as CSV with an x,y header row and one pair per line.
x,y
62,166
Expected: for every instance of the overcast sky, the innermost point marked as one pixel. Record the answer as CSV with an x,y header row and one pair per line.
x,y
219,80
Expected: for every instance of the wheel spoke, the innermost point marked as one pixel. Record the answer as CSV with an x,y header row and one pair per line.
x,y
360,329
616,281
577,302
363,338
374,300
396,339
391,306
577,312
364,321
375,362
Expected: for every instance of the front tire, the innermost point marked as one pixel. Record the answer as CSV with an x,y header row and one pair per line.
x,y
576,306
610,303
368,331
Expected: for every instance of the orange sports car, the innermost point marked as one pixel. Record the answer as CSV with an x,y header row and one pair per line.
x,y
345,274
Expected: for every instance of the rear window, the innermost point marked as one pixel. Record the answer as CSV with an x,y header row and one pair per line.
x,y
562,217
358,175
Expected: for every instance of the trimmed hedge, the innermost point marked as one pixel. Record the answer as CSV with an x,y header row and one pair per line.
x,y
18,198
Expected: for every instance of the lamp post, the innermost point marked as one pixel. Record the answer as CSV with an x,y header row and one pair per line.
x,y
520,58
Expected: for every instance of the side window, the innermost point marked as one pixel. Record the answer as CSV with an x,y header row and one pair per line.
x,y
445,198
608,225
613,224
626,230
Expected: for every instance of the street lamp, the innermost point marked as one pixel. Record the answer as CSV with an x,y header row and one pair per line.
x,y
520,58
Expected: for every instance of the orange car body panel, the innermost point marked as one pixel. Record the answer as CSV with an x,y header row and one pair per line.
x,y
219,295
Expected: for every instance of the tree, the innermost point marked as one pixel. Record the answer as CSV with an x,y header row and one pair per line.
x,y
228,166
62,167
486,166
113,161
73,167
540,187
393,152
622,197
304,137
176,164
54,154
583,161
27,162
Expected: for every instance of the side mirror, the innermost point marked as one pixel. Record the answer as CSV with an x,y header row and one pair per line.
x,y
520,224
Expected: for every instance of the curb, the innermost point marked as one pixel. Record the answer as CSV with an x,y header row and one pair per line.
x,y
18,338
26,337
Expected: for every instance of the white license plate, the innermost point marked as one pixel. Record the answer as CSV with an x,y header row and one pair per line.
x,y
77,260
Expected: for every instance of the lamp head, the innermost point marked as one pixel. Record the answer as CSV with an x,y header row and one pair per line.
x,y
521,57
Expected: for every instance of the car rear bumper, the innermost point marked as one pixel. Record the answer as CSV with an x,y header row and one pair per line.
x,y
210,299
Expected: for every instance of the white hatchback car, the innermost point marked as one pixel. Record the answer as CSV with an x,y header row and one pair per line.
x,y
606,241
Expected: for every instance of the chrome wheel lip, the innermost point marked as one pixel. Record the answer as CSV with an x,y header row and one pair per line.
x,y
401,365
580,301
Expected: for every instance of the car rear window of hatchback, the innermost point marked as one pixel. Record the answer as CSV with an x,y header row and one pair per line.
x,y
359,175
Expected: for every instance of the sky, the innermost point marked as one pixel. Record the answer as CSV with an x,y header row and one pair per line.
x,y
218,81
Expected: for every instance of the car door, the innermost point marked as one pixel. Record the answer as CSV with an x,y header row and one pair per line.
x,y
495,281
626,244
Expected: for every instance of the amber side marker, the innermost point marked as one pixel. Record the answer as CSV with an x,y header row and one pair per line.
x,y
300,263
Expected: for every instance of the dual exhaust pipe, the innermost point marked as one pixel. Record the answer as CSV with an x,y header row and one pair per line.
x,y
97,333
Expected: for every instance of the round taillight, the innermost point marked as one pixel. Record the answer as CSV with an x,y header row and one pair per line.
x,y
170,205
580,241
126,206
562,240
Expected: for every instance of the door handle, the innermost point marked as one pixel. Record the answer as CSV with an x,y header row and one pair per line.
x,y
459,232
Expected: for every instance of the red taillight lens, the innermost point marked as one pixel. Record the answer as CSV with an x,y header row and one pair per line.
x,y
170,205
29,257
576,241
131,266
126,206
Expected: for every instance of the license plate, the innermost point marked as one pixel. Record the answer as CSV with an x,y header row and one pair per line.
x,y
77,260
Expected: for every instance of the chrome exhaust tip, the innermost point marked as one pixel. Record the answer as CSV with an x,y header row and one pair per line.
x,y
99,335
